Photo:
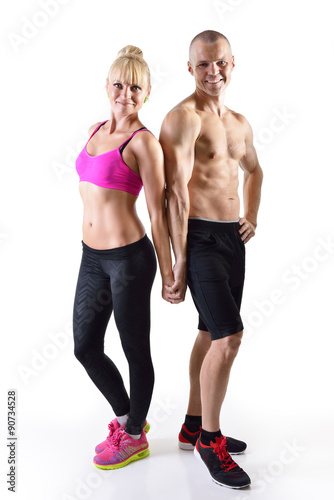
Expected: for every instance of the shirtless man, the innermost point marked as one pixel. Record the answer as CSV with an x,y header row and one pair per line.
x,y
204,143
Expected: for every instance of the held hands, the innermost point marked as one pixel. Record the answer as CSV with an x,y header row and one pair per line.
x,y
176,292
247,229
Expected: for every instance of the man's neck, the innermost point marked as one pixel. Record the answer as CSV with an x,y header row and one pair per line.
x,y
213,104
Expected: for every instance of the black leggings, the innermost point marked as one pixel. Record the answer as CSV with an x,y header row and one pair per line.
x,y
119,280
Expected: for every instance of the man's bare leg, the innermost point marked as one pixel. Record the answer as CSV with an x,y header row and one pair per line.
x,y
201,346
214,377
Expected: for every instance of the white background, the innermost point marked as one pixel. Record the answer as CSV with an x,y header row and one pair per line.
x,y
280,395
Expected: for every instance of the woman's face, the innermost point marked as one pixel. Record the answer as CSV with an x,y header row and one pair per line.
x,y
125,97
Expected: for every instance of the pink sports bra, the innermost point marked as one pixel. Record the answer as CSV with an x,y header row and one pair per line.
x,y
108,169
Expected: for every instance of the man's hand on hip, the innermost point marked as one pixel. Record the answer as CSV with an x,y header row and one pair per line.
x,y
247,229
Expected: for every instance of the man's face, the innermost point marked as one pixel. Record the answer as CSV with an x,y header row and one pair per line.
x,y
211,65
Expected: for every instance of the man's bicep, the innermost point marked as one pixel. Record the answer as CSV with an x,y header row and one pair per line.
x,y
249,161
179,161
178,136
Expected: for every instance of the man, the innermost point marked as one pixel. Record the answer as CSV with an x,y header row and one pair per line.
x,y
204,143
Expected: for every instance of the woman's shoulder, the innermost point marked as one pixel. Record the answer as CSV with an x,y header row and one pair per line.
x,y
145,136
93,127
145,143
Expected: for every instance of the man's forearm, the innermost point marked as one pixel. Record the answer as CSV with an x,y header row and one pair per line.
x,y
177,217
252,194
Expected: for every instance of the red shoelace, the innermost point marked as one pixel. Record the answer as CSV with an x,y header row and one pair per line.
x,y
219,447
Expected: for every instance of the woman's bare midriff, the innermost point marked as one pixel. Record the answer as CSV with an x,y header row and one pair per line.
x,y
110,219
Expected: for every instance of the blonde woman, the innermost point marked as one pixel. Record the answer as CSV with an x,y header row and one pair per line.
x,y
118,262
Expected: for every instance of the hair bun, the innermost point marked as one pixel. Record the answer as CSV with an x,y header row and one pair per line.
x,y
130,50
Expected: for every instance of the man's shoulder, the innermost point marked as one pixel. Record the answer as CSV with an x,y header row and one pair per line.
x,y
237,116
184,110
182,120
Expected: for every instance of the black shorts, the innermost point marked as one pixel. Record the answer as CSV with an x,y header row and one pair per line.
x,y
215,275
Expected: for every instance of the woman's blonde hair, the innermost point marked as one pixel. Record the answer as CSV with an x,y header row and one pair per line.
x,y
130,67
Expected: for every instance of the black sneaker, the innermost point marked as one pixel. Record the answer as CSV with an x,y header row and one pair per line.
x,y
187,441
223,470
234,446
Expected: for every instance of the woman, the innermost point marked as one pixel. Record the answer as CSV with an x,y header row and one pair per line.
x,y
118,262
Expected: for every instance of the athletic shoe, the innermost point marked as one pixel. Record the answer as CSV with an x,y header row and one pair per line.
x,y
113,426
187,441
222,468
121,450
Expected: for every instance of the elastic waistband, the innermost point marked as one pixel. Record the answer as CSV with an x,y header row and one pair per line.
x,y
118,252
213,226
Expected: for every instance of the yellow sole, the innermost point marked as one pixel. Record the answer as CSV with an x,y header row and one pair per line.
x,y
133,458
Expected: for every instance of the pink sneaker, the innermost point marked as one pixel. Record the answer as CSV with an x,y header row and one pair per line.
x,y
113,426
121,450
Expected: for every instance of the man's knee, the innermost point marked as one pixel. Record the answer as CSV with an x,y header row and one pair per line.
x,y
229,346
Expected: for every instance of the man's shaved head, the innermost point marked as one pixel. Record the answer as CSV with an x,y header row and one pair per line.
x,y
208,36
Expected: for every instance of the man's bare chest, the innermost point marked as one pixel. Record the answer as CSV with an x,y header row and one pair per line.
x,y
220,140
